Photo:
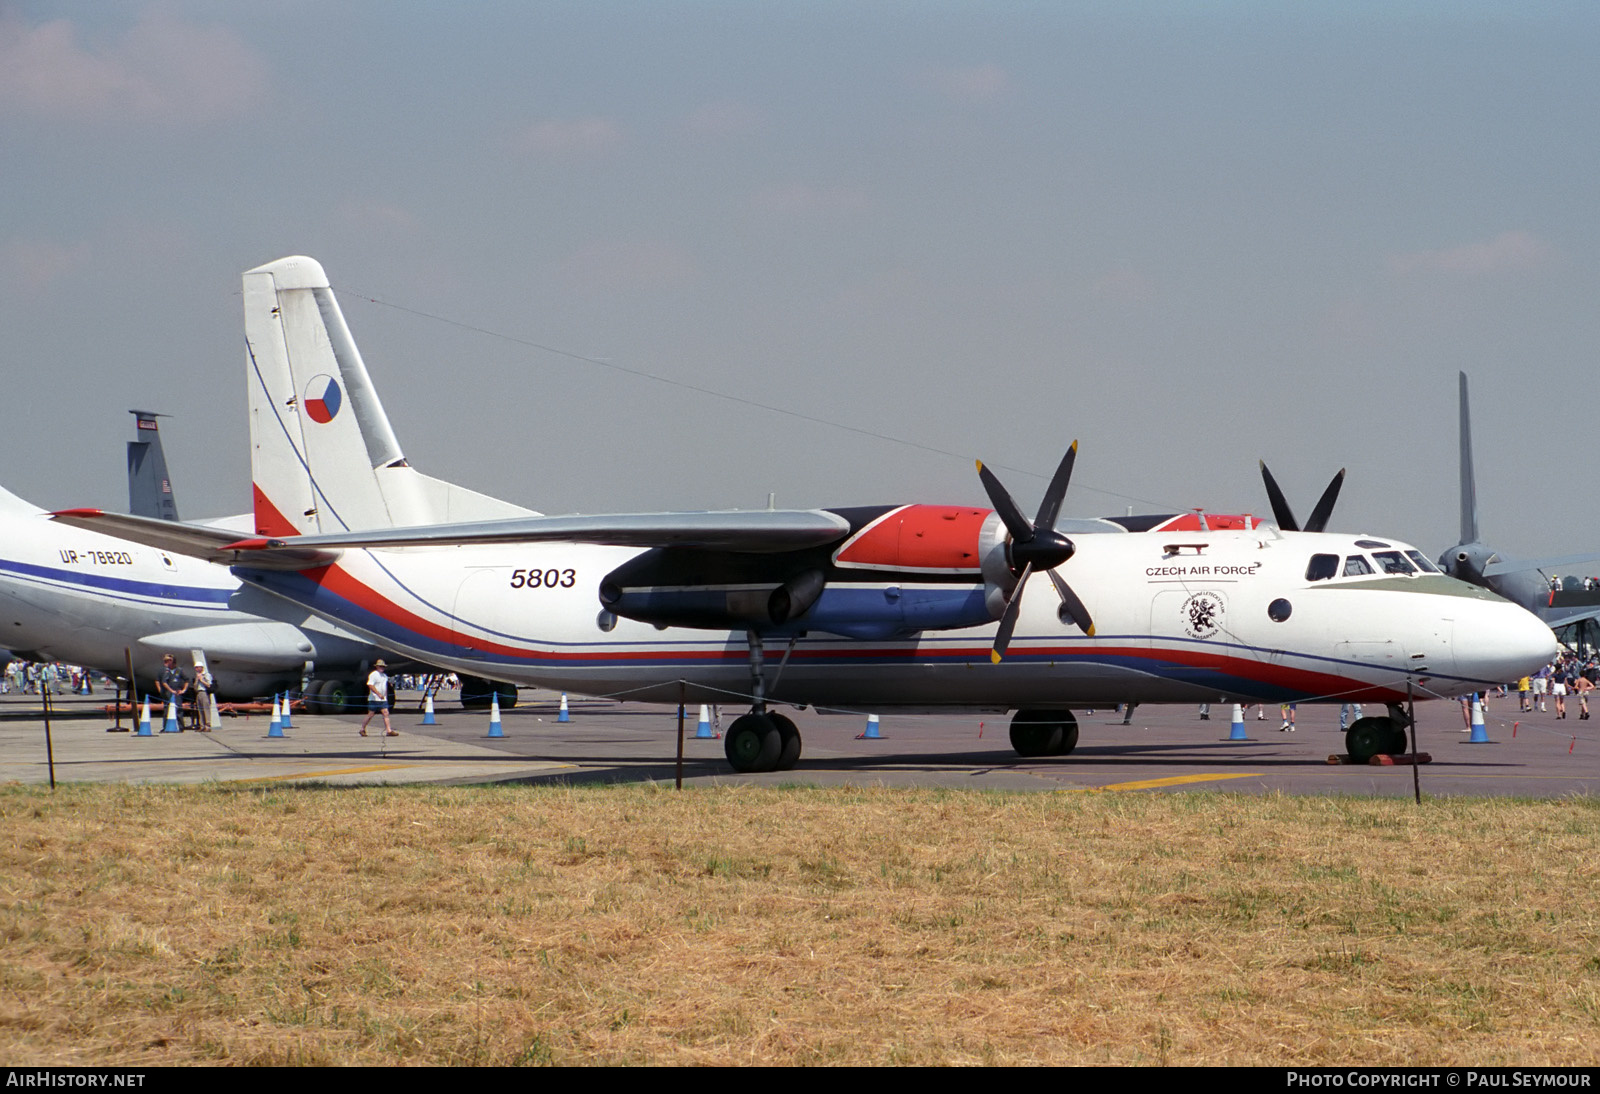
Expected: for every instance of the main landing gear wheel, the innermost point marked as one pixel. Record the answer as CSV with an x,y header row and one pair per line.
x,y
1069,733
754,743
789,734
1371,737
1044,732
478,693
331,696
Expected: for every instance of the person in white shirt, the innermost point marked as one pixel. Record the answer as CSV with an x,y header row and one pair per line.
x,y
378,698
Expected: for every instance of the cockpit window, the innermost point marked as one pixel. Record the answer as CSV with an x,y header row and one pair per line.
x,y
1422,562
1322,567
1356,565
1393,562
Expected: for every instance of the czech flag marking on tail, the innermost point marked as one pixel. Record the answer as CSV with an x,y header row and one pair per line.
x,y
323,398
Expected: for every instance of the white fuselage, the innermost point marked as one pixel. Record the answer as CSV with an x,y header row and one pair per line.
x,y
1192,624
72,595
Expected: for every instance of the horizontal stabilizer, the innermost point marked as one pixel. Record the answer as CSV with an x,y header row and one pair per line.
x,y
1513,566
1555,620
194,540
760,531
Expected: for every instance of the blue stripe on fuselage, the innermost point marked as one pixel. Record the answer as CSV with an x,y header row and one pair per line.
x,y
121,587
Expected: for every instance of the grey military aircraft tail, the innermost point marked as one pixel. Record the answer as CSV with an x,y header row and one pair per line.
x,y
1560,600
149,484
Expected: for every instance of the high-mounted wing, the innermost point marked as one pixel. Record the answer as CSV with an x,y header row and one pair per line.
x,y
194,540
761,531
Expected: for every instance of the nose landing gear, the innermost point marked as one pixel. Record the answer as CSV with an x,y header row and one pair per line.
x,y
1370,737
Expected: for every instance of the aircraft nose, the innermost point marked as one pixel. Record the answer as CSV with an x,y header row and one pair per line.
x,y
1502,642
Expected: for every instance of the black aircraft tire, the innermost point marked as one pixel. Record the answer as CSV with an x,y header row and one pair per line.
x,y
789,735
1399,744
313,697
1069,735
1369,737
508,695
476,693
1036,732
753,743
339,696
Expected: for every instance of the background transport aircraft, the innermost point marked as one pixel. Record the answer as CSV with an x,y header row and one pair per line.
x,y
150,494
1562,601
866,608
97,600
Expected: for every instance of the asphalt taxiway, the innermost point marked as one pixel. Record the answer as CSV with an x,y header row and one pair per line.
x,y
1164,748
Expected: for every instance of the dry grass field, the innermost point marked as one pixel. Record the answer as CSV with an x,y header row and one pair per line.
x,y
513,925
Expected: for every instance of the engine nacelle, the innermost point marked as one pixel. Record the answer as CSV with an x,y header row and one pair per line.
x,y
938,540
904,569
652,589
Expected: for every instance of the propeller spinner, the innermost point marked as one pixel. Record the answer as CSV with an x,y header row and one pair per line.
x,y
1035,545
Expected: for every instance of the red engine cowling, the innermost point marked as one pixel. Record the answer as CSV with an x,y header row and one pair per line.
x,y
936,539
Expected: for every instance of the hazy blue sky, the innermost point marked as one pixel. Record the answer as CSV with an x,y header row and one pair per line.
x,y
1192,235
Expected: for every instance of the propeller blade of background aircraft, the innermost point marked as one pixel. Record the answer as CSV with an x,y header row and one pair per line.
x,y
1318,521
1280,504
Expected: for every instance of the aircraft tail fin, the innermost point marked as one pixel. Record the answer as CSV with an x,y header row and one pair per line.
x,y
1469,488
149,485
13,505
324,457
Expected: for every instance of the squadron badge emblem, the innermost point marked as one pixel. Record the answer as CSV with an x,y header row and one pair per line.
x,y
1202,615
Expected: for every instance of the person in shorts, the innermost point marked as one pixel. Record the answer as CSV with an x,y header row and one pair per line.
x,y
378,698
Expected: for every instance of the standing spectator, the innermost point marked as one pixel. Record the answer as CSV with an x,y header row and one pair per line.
x,y
378,698
172,685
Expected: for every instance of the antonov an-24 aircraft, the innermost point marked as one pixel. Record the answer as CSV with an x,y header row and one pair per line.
x,y
889,607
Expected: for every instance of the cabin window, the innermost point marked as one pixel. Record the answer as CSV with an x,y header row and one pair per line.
x,y
1393,562
1322,567
1356,566
1422,562
1279,609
